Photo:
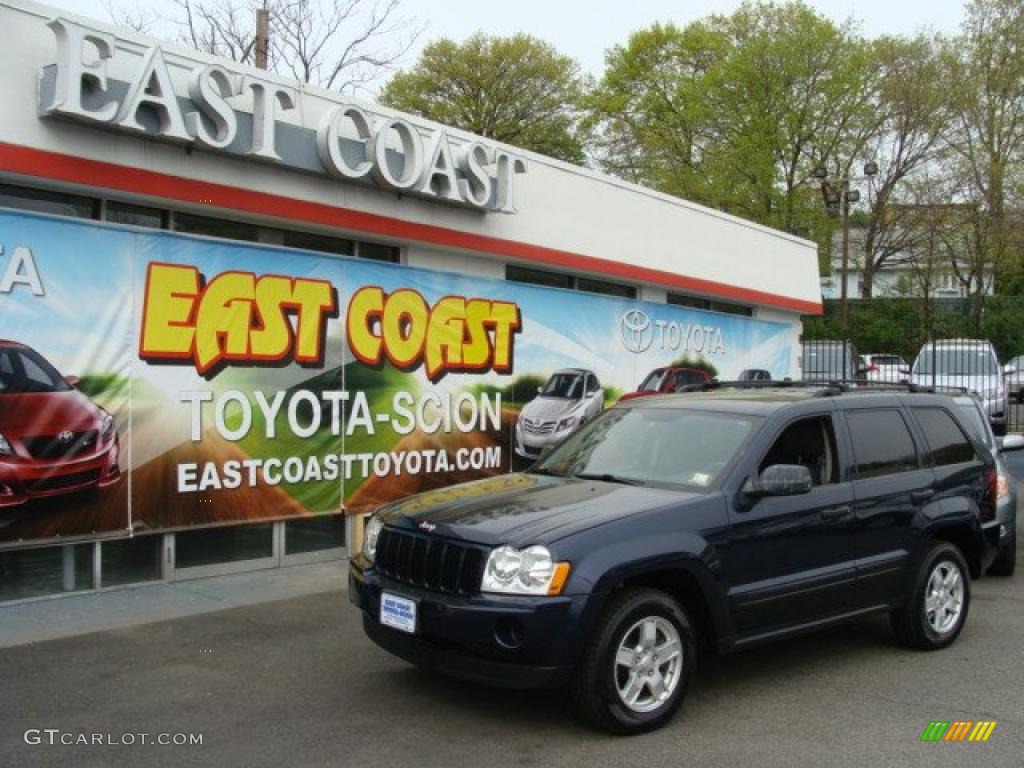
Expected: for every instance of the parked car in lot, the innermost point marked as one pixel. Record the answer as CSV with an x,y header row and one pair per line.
x,y
1006,485
53,439
754,374
890,369
968,364
663,381
570,398
830,361
1013,378
714,521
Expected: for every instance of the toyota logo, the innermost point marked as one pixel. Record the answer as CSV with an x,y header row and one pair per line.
x,y
635,330
66,436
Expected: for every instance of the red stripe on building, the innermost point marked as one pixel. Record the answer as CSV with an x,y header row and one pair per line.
x,y
100,175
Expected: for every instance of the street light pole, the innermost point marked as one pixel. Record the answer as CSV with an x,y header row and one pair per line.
x,y
843,273
840,203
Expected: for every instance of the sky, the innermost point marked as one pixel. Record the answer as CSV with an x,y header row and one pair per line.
x,y
585,29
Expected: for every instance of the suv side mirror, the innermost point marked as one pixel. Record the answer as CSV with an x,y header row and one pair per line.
x,y
1010,442
780,480
72,381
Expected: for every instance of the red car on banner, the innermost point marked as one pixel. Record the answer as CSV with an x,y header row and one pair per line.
x,y
662,381
53,439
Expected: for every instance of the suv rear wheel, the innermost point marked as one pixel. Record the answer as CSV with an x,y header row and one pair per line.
x,y
635,670
937,608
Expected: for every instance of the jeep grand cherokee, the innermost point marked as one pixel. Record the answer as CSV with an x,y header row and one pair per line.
x,y
710,520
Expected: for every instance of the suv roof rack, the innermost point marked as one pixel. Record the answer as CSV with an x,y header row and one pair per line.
x,y
828,388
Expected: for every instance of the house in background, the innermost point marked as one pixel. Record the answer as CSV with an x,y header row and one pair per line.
x,y
907,273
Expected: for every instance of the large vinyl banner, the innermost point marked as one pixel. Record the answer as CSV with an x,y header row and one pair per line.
x,y
152,381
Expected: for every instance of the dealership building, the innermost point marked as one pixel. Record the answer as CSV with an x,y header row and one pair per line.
x,y
112,141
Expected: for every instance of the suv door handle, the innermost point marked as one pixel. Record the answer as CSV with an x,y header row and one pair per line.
x,y
923,495
837,513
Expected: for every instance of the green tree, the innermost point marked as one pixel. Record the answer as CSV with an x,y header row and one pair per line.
x,y
653,110
737,111
987,133
912,108
518,90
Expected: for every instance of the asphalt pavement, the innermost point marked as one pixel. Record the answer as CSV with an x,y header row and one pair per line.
x,y
295,683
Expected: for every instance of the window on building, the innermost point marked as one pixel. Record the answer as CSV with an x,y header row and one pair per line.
x,y
882,444
537,277
135,215
589,285
203,225
379,252
730,309
571,282
313,242
695,302
682,300
46,201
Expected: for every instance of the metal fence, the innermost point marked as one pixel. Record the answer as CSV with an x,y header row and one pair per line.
x,y
966,364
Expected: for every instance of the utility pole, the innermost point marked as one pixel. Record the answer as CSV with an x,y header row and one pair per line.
x,y
262,44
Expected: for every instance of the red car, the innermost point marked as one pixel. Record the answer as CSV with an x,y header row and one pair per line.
x,y
53,439
663,381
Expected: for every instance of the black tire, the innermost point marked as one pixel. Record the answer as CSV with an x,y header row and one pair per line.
x,y
595,686
1006,560
911,623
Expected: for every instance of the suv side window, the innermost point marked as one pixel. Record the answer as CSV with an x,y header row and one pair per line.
x,y
882,444
946,440
811,443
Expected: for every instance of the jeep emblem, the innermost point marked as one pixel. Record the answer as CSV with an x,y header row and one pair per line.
x,y
428,526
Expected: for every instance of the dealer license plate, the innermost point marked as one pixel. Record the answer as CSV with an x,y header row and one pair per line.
x,y
398,612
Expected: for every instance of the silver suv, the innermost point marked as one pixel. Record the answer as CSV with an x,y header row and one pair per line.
x,y
970,365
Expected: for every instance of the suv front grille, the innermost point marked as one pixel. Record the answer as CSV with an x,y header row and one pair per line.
x,y
429,562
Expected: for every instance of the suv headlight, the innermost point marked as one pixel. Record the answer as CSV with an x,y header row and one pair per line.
x,y
370,536
5,447
530,571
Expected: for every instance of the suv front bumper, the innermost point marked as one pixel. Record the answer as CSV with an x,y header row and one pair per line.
x,y
509,641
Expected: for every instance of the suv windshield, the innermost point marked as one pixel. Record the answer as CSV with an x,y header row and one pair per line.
x,y
656,446
958,361
568,386
24,371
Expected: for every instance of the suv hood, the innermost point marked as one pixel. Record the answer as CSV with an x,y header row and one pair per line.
x,y
548,408
521,509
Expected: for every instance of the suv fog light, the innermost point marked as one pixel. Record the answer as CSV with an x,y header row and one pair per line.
x,y
510,633
1003,531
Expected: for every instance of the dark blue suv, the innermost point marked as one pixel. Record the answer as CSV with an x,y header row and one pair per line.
x,y
711,521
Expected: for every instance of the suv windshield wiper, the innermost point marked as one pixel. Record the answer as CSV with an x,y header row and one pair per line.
x,y
608,478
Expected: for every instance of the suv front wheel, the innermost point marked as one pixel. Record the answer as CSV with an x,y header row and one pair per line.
x,y
635,670
937,608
